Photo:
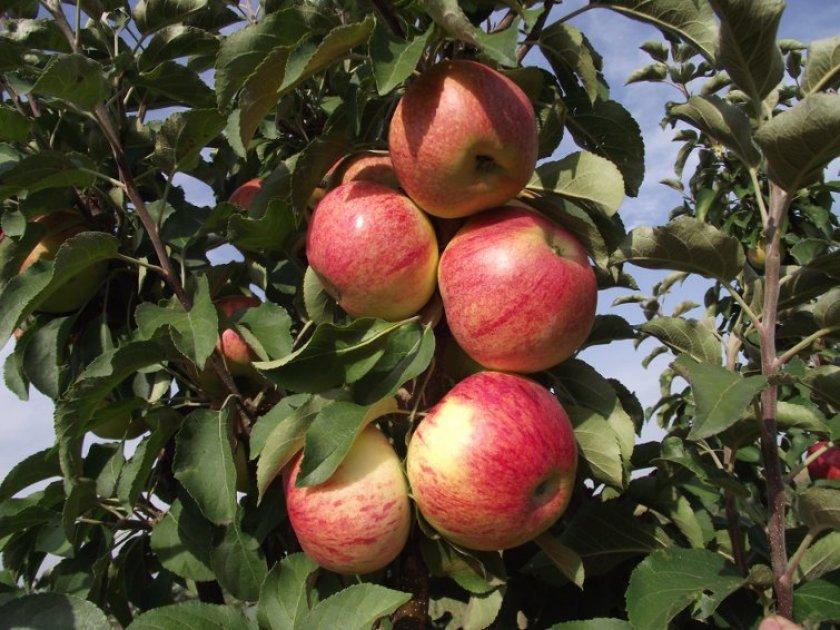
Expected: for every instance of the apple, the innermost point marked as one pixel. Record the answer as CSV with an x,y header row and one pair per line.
x,y
493,463
238,354
827,465
74,294
777,622
113,421
518,291
463,139
243,196
357,521
374,251
369,167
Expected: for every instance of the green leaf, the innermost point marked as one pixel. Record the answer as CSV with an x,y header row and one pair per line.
x,y
685,336
151,15
355,608
47,169
593,624
181,541
684,244
260,92
825,383
320,307
192,615
178,83
34,468
583,178
607,129
482,610
267,235
608,328
819,508
203,463
567,51
652,72
820,558
669,580
135,473
747,47
564,558
394,60
801,141
13,125
501,47
75,79
52,610
720,396
690,20
267,423
26,292
332,433
723,122
238,562
176,41
194,332
818,600
822,69
283,596
598,444
269,326
183,135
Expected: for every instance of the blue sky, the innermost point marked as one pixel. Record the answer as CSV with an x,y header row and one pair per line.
x,y
28,426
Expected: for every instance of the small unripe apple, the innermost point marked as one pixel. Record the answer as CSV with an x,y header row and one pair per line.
x,y
358,520
518,291
238,354
374,251
492,465
59,227
463,139
243,196
827,465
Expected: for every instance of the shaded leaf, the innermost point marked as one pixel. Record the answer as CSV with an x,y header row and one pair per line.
x,y
822,68
283,596
819,508
238,562
53,610
394,60
75,79
723,122
181,541
818,600
565,559
150,15
685,336
567,50
583,178
355,608
192,615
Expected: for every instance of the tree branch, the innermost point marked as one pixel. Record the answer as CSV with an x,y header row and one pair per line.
x,y
534,35
804,343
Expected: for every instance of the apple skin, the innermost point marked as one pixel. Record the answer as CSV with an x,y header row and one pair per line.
x,y
60,226
243,196
374,250
357,521
493,463
827,465
463,139
518,291
237,352
369,167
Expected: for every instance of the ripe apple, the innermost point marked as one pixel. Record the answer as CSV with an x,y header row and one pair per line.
x,y
493,464
238,354
827,465
369,167
58,227
374,251
244,195
358,520
463,139
517,289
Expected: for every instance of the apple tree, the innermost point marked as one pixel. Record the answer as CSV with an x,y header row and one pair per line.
x,y
233,427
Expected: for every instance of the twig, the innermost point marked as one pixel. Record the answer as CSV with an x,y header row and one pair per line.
x,y
534,35
802,345
744,306
797,556
759,196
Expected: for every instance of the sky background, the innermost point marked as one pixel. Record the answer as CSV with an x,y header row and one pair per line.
x,y
28,426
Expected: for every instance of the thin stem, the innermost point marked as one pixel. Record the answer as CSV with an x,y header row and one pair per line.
x,y
577,12
805,343
79,23
744,306
418,393
759,196
102,176
797,556
534,35
141,263
807,462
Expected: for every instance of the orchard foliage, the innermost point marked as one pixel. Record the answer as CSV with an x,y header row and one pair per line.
x,y
108,108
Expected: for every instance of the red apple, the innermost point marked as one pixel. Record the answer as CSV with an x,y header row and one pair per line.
x,y
517,289
374,250
244,195
463,139
493,464
369,167
237,352
358,520
60,226
827,465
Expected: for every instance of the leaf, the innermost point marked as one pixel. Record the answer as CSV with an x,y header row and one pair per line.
x,y
181,542
173,42
825,382
332,434
47,169
690,20
482,610
684,244
203,463
320,307
268,234
260,93
270,326
52,610
685,336
669,580
183,135
822,68
34,468
136,471
501,47
720,396
192,615
723,122
13,125
565,559
593,624
75,79
178,83
802,140
747,47
355,608
818,600
820,558
238,562
394,60
151,15
819,508
654,72
608,328
607,129
194,332
598,444
567,51
267,423
283,596
26,292
583,178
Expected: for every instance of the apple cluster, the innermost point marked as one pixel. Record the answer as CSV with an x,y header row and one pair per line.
x,y
492,465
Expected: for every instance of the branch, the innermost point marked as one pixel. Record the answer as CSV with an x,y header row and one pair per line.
x,y
797,556
534,35
805,343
